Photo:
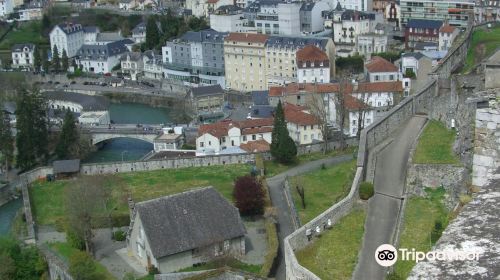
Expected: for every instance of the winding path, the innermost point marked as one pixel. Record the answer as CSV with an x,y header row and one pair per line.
x,y
384,206
278,199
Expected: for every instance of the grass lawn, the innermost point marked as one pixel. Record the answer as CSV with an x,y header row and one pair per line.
x,y
334,255
48,197
322,188
29,32
65,251
483,44
252,268
421,214
273,168
435,145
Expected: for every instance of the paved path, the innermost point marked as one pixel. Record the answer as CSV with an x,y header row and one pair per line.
x,y
278,199
383,207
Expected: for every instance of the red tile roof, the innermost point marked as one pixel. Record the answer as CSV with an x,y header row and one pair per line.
x,y
252,126
353,104
297,115
256,146
290,89
378,64
212,1
246,37
447,29
310,54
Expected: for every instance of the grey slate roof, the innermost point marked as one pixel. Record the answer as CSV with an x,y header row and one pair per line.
x,y
416,55
134,56
307,6
295,42
188,220
66,166
20,47
102,52
353,15
90,29
141,27
207,90
70,28
10,107
109,37
88,102
424,23
260,97
207,35
262,111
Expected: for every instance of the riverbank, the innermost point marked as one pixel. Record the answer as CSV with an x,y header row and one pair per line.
x,y
153,101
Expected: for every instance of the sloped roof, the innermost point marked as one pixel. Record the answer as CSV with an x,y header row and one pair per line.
x,y
70,28
293,88
251,126
310,54
134,56
378,64
20,47
102,52
260,97
424,23
256,146
296,114
447,29
66,166
353,103
207,90
247,37
188,220
141,27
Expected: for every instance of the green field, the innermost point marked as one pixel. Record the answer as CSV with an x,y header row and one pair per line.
x,y
483,44
65,251
322,189
48,197
274,168
29,32
334,255
421,214
435,145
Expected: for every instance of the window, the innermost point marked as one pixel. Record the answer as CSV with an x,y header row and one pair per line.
x,y
376,78
244,138
209,143
305,137
232,142
223,139
226,245
254,137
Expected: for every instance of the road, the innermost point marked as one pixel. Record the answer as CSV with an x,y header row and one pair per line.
x,y
383,207
279,201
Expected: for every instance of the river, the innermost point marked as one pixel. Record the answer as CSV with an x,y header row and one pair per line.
x,y
7,213
126,148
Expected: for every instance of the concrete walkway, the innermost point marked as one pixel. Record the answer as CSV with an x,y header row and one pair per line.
x,y
285,222
384,206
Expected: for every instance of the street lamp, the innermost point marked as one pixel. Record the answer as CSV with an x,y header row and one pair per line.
x,y
123,153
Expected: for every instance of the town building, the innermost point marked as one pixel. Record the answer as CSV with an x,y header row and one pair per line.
x,y
447,35
313,65
227,134
358,112
90,34
228,18
356,5
492,71
379,69
67,36
487,11
245,61
100,59
6,7
281,57
311,17
274,17
153,66
127,5
390,9
347,25
422,30
185,229
82,4
202,8
302,126
23,55
196,58
456,12
139,33
373,42
32,10
207,102
132,65
168,142
416,66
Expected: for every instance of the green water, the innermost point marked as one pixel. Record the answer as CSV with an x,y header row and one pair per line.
x,y
126,148
7,214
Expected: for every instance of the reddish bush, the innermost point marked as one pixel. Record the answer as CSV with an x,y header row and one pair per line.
x,y
249,196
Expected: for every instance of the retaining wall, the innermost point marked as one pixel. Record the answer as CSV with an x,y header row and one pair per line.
x,y
58,269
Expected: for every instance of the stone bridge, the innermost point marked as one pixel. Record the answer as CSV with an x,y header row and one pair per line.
x,y
101,134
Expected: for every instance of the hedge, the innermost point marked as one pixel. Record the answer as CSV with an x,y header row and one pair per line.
x,y
366,190
272,247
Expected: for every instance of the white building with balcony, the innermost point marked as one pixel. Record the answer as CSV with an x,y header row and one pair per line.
x,y
23,55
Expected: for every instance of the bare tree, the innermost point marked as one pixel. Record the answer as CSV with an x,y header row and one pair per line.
x,y
85,201
363,108
340,105
318,106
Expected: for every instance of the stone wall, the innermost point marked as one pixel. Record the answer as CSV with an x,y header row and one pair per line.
x,y
58,269
451,177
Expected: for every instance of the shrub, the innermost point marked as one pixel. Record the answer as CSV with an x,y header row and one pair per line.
x,y
60,225
119,235
464,198
83,267
74,240
249,196
272,248
366,190
436,231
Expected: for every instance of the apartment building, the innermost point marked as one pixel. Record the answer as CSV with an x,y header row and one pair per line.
x,y
303,127
67,36
311,17
281,57
228,18
6,7
372,42
357,5
447,35
100,59
274,17
456,12
313,65
245,61
196,58
202,8
23,55
487,10
422,30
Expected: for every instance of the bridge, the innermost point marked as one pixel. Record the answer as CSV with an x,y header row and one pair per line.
x,y
103,133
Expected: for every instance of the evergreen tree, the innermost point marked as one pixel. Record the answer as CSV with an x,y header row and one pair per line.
x,y
45,23
6,139
67,147
283,148
32,129
37,59
45,61
152,33
56,61
65,61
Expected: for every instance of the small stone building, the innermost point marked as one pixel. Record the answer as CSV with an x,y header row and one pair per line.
x,y
207,101
492,71
178,231
66,168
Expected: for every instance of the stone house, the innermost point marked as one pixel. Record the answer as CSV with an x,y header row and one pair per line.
x,y
492,71
207,101
181,230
